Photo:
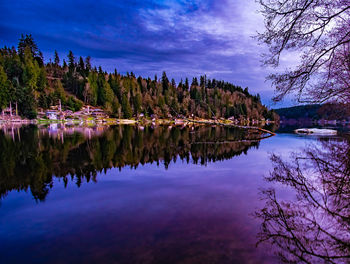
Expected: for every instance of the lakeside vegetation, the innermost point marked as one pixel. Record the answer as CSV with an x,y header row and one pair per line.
x,y
328,111
30,83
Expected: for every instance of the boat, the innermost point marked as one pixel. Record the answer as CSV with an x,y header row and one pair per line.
x,y
315,131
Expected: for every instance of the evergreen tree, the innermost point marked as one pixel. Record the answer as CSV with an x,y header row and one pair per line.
x,y
29,42
25,80
126,108
202,81
115,86
57,59
138,103
165,82
81,67
30,70
64,64
87,65
4,89
194,81
71,61
173,83
187,86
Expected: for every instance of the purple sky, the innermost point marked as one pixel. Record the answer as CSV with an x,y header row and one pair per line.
x,y
185,38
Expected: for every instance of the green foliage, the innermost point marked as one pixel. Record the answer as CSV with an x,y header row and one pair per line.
x,y
27,42
26,80
4,89
74,104
126,108
165,82
71,61
138,103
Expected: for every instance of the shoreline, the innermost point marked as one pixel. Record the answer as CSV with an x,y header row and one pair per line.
x,y
257,126
160,121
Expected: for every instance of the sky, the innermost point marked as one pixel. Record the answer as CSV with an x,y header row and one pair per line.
x,y
185,38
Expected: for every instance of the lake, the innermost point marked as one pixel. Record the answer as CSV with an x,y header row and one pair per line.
x,y
129,194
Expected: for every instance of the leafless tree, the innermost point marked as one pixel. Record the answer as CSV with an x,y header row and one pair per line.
x,y
313,227
318,30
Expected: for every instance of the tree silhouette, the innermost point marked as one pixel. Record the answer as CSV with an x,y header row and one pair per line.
x,y
314,226
320,32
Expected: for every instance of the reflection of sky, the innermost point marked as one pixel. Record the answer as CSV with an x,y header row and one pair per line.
x,y
184,37
149,213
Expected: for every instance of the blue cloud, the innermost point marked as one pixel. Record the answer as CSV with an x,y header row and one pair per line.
x,y
185,37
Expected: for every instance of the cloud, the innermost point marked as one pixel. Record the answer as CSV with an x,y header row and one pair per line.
x,y
185,38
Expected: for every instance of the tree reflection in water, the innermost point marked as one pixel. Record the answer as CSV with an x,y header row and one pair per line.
x,y
313,227
31,157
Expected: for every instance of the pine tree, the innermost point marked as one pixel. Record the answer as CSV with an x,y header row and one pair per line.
x,y
165,82
202,81
71,61
187,86
27,41
23,79
87,65
126,108
194,81
138,103
64,64
57,59
173,83
81,67
4,89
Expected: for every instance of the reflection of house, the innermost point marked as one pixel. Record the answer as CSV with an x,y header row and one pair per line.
x,y
52,115
55,115
179,122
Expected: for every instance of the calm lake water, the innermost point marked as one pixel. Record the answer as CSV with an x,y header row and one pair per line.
x,y
170,195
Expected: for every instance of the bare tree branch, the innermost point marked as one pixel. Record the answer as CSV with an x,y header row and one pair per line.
x,y
320,31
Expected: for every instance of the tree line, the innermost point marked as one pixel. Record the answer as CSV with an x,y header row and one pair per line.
x,y
328,111
30,82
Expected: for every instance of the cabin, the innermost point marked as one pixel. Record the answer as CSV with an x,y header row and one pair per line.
x,y
98,113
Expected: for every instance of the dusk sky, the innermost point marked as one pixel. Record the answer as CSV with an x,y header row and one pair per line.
x,y
185,38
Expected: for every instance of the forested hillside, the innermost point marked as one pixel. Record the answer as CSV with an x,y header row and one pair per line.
x,y
329,111
300,111
27,80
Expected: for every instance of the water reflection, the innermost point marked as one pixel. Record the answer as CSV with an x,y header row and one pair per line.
x,y
31,156
313,226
